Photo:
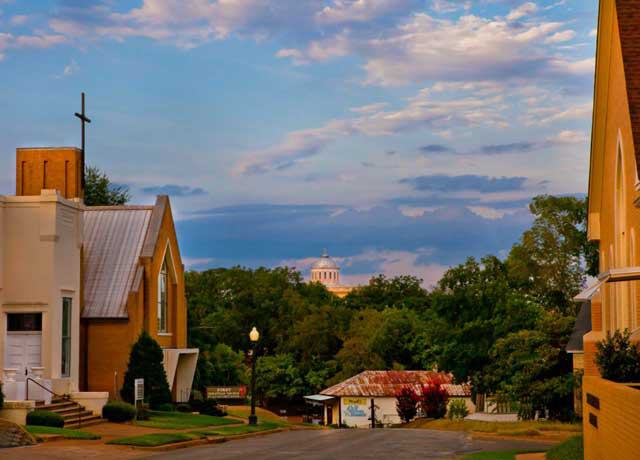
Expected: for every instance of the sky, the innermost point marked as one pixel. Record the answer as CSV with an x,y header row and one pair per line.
x,y
402,135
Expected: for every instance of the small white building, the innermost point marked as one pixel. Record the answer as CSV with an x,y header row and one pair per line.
x,y
350,402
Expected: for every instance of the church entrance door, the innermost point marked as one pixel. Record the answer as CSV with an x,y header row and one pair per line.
x,y
24,343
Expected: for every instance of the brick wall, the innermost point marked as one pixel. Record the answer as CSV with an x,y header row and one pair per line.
x,y
615,409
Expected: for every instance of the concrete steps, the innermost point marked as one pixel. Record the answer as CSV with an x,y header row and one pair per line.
x,y
74,415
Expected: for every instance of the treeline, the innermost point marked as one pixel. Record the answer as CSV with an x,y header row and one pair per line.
x,y
501,324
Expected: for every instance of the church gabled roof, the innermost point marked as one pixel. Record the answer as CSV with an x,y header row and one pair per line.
x,y
629,27
115,237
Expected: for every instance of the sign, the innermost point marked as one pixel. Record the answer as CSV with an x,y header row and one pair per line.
x,y
138,389
355,407
239,392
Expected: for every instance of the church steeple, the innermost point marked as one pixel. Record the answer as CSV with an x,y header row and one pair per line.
x,y
49,168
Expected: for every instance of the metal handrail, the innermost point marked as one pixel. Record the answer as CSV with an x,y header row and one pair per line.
x,y
65,397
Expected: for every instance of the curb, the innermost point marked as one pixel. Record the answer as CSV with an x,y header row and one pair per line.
x,y
210,440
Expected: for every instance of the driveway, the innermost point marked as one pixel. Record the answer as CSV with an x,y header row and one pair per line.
x,y
397,444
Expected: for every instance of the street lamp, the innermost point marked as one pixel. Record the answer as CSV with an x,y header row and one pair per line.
x,y
254,335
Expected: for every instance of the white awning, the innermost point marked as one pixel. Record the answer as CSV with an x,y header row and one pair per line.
x,y
319,398
588,293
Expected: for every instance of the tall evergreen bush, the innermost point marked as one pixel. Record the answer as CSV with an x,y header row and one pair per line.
x,y
145,361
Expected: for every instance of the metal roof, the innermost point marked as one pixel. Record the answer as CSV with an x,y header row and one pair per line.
x,y
113,241
388,383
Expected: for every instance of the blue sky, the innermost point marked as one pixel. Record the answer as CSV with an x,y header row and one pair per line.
x,y
402,135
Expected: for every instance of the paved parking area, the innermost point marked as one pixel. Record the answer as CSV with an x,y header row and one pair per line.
x,y
396,444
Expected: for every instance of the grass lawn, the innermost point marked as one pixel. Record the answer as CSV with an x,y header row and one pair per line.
x,y
180,420
499,455
154,439
571,449
263,414
67,433
234,430
524,428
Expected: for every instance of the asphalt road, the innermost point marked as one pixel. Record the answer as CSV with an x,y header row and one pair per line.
x,y
396,444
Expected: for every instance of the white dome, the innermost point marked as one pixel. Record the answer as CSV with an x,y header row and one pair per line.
x,y
325,262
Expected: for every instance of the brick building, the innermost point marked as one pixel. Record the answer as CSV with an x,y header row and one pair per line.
x,y
611,411
78,284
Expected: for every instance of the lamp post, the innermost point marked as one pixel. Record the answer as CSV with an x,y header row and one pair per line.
x,y
254,335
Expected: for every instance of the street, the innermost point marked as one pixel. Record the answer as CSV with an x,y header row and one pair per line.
x,y
347,444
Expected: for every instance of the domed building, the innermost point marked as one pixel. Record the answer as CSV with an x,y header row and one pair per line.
x,y
326,271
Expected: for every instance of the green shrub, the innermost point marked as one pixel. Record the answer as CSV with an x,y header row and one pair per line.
x,y
45,418
118,411
458,409
618,359
145,362
211,407
165,407
183,408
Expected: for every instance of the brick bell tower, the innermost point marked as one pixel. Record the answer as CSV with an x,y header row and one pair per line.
x,y
48,168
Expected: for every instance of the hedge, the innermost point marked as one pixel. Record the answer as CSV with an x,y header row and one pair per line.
x,y
45,418
118,411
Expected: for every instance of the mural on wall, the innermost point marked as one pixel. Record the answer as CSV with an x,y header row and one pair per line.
x,y
355,407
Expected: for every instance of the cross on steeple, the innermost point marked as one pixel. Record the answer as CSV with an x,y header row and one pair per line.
x,y
83,119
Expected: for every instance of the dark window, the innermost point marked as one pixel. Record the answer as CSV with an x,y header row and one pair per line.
x,y
24,322
66,336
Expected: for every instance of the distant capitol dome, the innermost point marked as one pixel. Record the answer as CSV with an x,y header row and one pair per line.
x,y
325,270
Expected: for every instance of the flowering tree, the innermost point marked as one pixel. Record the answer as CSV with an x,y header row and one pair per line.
x,y
434,399
407,403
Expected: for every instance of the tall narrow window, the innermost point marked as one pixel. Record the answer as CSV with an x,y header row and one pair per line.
x,y
66,337
163,282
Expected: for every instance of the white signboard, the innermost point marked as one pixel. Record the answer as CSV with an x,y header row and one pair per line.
x,y
138,389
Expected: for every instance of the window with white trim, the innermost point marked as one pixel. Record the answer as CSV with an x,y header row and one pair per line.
x,y
163,285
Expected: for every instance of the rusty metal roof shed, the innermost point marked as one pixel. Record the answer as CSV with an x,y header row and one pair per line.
x,y
113,240
388,383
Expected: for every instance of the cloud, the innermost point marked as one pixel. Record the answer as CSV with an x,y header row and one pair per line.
x,y
449,6
195,262
560,37
426,109
69,69
475,48
436,148
349,11
566,137
19,19
369,108
547,115
523,10
358,269
174,190
470,182
267,234
514,147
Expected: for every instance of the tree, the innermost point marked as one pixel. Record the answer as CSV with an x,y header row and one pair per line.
x,y
407,404
100,191
554,255
472,307
145,362
533,369
434,398
220,366
618,359
382,292
278,378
